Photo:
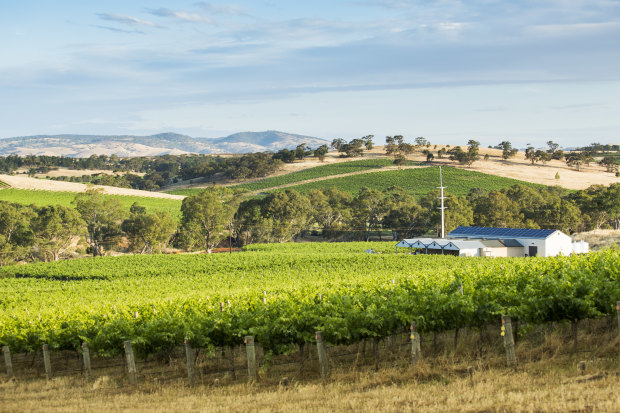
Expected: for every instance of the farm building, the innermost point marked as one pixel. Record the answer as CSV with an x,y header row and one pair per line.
x,y
497,242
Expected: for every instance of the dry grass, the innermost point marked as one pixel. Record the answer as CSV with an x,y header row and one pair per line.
x,y
447,379
599,238
535,387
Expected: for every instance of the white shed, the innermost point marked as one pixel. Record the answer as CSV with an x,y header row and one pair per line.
x,y
535,242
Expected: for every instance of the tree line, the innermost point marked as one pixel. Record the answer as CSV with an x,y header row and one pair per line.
x,y
220,216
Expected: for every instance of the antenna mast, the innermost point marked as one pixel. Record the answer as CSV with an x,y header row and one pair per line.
x,y
443,232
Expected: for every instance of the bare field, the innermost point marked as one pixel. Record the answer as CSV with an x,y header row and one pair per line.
x,y
24,182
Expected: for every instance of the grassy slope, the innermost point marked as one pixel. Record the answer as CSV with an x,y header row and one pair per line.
x,y
417,181
40,198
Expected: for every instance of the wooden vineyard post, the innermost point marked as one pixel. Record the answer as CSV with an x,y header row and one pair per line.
x,y
375,352
47,361
86,357
189,359
8,362
509,343
251,354
131,363
320,346
415,344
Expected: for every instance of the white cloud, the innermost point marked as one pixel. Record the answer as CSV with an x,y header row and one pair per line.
x,y
124,19
574,28
221,8
181,15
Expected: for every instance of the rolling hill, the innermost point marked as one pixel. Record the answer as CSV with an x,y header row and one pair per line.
x,y
83,146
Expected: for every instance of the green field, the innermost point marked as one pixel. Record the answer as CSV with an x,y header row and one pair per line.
x,y
310,173
417,181
40,198
319,172
283,293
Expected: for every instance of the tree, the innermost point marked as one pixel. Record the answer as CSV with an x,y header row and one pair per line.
x,y
55,228
148,232
300,151
542,156
368,141
102,215
420,141
398,148
576,159
552,146
320,152
206,215
609,162
330,209
497,210
250,224
289,213
337,143
530,154
402,213
429,155
464,158
16,237
368,210
352,149
507,150
284,155
459,212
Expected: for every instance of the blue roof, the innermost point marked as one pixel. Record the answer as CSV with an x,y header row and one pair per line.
x,y
486,232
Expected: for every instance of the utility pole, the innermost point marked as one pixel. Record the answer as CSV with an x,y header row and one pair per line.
x,y
443,230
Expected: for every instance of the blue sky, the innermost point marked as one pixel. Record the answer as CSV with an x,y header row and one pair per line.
x,y
448,70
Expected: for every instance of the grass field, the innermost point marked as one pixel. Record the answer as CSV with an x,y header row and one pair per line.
x,y
40,198
417,181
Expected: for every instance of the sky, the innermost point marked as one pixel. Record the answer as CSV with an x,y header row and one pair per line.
x,y
448,70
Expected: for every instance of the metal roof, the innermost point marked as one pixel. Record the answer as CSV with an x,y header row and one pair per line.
x,y
511,243
496,233
465,244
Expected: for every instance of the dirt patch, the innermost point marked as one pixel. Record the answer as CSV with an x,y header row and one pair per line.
x,y
24,182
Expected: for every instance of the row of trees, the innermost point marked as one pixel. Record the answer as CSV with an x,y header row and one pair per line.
x,y
100,222
285,216
47,233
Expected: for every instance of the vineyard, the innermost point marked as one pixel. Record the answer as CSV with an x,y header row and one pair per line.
x,y
320,172
282,294
419,182
41,198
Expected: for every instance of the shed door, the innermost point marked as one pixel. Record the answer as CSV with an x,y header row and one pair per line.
x,y
533,251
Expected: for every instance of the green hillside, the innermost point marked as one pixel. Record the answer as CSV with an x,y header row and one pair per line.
x,y
417,181
40,198
319,172
306,174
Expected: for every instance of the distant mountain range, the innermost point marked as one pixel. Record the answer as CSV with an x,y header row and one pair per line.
x,y
83,146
